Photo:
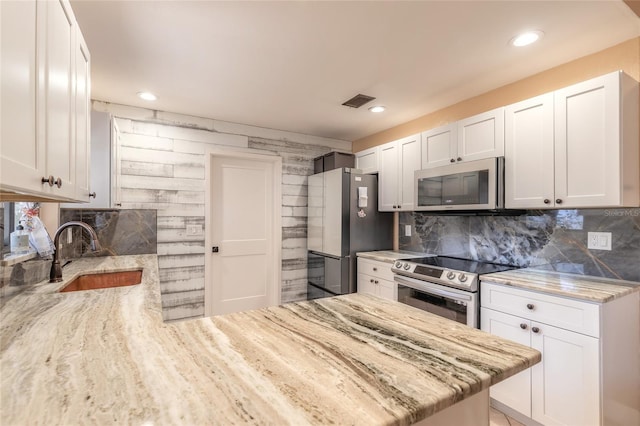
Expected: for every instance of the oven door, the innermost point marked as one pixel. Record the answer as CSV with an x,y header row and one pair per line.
x,y
456,305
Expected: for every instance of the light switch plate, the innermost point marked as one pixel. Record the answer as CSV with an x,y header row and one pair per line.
x,y
599,240
407,230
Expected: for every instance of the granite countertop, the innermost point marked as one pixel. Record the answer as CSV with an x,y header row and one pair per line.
x,y
582,287
390,256
106,356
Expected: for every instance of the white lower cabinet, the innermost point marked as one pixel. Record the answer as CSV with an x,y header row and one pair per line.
x,y
376,278
563,389
588,363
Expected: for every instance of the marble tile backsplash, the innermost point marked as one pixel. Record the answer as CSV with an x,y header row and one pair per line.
x,y
120,232
555,238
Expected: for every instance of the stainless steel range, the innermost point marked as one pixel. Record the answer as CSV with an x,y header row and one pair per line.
x,y
443,285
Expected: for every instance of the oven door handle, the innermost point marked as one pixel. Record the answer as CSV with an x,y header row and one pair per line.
x,y
437,291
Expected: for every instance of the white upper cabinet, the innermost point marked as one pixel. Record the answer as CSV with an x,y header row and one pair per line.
x,y
481,136
575,147
474,138
529,156
82,118
367,160
439,146
59,98
398,160
22,158
42,138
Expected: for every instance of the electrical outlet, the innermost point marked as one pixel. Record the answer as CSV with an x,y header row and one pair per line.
x,y
599,240
407,230
194,230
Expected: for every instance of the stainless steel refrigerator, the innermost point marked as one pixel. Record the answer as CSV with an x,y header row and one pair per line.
x,y
343,219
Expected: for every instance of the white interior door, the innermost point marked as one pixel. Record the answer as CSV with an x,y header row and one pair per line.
x,y
242,210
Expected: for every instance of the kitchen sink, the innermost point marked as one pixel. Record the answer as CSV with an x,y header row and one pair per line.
x,y
104,280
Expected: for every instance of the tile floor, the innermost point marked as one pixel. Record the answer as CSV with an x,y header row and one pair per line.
x,y
498,418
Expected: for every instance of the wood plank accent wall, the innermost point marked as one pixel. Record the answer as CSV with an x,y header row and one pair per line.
x,y
162,167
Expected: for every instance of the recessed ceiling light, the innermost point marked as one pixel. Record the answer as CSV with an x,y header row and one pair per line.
x,y
147,96
527,38
377,108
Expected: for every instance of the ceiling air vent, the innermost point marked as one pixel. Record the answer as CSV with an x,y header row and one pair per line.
x,y
358,100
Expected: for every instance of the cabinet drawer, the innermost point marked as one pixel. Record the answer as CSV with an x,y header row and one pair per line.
x,y
573,315
375,269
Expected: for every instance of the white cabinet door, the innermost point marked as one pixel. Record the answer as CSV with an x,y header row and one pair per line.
x,y
566,384
481,136
116,165
387,289
59,95
409,157
588,149
82,117
366,284
367,160
529,154
439,146
388,177
514,392
22,150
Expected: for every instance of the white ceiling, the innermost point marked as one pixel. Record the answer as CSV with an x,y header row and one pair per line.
x,y
290,65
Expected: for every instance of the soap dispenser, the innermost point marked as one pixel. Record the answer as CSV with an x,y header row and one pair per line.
x,y
19,240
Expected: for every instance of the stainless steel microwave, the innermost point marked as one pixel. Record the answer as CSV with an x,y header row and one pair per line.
x,y
471,185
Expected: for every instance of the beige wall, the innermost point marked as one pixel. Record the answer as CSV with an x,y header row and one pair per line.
x,y
624,56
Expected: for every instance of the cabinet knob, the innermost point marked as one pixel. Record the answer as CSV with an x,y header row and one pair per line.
x,y
118,204
459,158
546,201
376,281
558,201
523,326
50,180
58,183
371,280
530,306
453,160
535,329
92,195
375,269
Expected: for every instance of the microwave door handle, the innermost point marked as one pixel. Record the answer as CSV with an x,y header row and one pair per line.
x,y
431,290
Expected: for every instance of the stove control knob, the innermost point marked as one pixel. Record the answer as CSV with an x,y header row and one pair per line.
x,y
451,275
398,264
462,278
406,266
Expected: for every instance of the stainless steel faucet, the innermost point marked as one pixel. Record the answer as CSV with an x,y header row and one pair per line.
x,y
56,270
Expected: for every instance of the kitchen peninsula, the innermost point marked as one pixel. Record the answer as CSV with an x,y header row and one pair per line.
x,y
105,356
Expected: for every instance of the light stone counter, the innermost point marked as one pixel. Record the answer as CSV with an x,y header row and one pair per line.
x,y
106,357
583,287
390,256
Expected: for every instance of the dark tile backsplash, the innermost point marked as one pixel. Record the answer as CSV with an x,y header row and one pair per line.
x,y
120,232
556,238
